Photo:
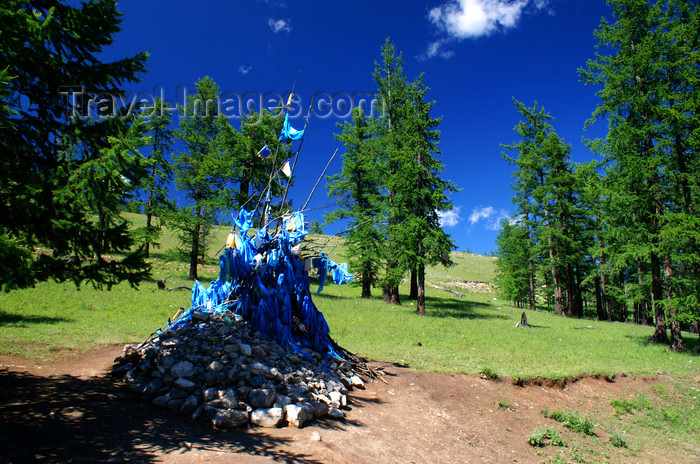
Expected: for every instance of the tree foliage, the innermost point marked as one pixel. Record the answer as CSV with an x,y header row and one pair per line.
x,y
63,173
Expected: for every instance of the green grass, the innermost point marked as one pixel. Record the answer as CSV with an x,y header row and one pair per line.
x,y
476,332
471,334
504,404
627,406
543,436
571,420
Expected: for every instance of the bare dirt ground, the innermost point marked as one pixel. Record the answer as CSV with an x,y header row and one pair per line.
x,y
72,411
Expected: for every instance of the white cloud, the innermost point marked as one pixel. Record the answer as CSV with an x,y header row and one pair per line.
x,y
481,213
243,69
437,49
491,217
450,218
463,19
279,25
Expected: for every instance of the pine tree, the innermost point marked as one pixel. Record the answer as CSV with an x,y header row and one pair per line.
x,y
533,131
157,203
392,90
649,99
409,147
252,168
512,274
420,192
202,170
359,189
57,155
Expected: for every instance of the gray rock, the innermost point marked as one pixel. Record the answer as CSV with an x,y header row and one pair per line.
x,y
261,397
296,415
177,394
183,369
152,387
215,366
229,418
271,417
160,401
357,382
228,398
185,384
336,413
170,343
232,348
189,406
282,400
197,412
246,350
320,409
337,399
200,316
210,394
258,352
175,405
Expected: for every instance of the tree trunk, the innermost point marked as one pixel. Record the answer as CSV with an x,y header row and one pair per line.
x,y
675,325
660,335
194,253
421,289
366,288
395,300
413,294
386,293
578,296
570,307
553,264
599,301
148,226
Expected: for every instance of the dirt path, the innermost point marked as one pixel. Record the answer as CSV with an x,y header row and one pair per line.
x,y
71,411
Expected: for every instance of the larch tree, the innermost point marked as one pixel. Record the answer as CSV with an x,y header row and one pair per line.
x,y
533,131
202,170
649,100
359,188
157,203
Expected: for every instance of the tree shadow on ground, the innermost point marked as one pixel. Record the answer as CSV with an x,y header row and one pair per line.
x,y
23,320
71,419
460,309
689,340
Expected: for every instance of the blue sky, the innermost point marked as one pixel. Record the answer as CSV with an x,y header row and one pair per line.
x,y
476,56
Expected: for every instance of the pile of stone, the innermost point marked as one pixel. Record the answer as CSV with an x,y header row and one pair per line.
x,y
216,368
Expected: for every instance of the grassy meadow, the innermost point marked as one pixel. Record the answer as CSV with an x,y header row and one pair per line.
x,y
473,333
467,334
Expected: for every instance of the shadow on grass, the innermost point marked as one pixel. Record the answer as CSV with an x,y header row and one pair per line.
x,y
71,419
459,308
23,320
689,340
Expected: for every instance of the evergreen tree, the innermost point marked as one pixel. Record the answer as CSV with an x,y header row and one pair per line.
x,y
202,170
392,90
420,192
512,272
315,227
62,171
409,147
156,185
252,168
359,189
649,99
533,131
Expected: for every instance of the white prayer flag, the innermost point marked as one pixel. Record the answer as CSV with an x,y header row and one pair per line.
x,y
287,169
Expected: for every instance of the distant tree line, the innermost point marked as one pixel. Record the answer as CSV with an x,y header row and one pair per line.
x,y
390,190
620,235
